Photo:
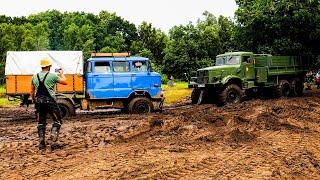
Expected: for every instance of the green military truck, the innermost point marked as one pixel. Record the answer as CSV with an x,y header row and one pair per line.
x,y
238,74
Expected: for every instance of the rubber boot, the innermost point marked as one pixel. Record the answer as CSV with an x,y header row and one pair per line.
x,y
55,132
42,134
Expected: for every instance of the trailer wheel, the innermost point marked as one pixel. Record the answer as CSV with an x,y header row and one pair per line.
x,y
230,95
66,108
297,87
284,86
140,105
195,96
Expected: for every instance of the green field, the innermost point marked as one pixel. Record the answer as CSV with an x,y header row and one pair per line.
x,y
2,90
172,94
4,102
176,93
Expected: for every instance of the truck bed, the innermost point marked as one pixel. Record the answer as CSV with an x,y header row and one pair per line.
x,y
284,65
21,85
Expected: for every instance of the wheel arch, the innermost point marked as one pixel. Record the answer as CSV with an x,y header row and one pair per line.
x,y
139,94
63,96
232,80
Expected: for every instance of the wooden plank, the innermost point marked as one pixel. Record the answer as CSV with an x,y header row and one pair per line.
x,y
125,54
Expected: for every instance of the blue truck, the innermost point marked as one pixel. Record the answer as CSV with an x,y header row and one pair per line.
x,y
109,80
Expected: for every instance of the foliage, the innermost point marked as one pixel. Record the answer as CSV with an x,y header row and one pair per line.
x,y
192,46
164,79
276,27
279,27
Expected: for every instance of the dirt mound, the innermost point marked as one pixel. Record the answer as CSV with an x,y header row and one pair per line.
x,y
257,139
237,136
268,121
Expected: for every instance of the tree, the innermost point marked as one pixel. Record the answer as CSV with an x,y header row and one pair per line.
x,y
192,46
279,27
226,27
153,40
111,24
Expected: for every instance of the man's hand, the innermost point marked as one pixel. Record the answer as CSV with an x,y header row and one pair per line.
x,y
62,78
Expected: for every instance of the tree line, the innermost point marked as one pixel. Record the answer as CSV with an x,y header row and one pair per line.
x,y
262,26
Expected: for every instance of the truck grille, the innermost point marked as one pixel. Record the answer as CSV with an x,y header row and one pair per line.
x,y
203,77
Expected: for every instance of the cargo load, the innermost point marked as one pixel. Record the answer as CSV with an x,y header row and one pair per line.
x,y
22,65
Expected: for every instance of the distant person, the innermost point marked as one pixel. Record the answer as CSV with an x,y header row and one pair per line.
x,y
309,79
43,95
318,79
171,82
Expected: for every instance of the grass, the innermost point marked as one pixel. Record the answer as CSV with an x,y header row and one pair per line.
x,y
172,94
4,102
176,93
2,90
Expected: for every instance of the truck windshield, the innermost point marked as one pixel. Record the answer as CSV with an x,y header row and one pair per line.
x,y
227,60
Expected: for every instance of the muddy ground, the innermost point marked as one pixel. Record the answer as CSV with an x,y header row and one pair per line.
x,y
255,139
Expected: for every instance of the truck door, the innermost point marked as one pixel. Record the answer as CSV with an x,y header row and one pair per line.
x,y
248,65
140,78
121,79
100,81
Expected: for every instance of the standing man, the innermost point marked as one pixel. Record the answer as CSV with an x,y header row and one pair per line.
x,y
43,95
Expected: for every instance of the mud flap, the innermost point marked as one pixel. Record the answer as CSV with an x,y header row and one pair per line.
x,y
201,97
158,105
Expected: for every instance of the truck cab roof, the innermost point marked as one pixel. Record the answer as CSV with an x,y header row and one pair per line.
x,y
131,58
235,54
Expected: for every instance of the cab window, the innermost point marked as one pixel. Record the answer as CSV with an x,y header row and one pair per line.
x,y
121,66
246,59
140,66
102,67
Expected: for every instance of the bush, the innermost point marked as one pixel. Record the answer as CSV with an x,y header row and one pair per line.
x,y
2,77
164,79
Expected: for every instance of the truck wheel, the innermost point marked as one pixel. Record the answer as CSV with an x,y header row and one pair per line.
x,y
297,87
140,105
66,108
285,88
195,96
230,95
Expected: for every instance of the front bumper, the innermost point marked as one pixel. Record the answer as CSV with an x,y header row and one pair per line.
x,y
207,86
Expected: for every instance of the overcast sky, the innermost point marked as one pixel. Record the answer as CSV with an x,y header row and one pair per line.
x,y
163,14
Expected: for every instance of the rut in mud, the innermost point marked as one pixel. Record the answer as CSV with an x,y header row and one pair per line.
x,y
255,139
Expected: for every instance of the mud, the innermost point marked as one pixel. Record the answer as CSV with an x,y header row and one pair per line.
x,y
276,138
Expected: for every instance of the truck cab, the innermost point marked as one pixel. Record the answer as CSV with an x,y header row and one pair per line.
x,y
122,81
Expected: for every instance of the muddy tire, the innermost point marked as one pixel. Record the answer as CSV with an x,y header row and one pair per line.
x,y
284,87
276,92
66,108
232,94
140,105
297,87
195,96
